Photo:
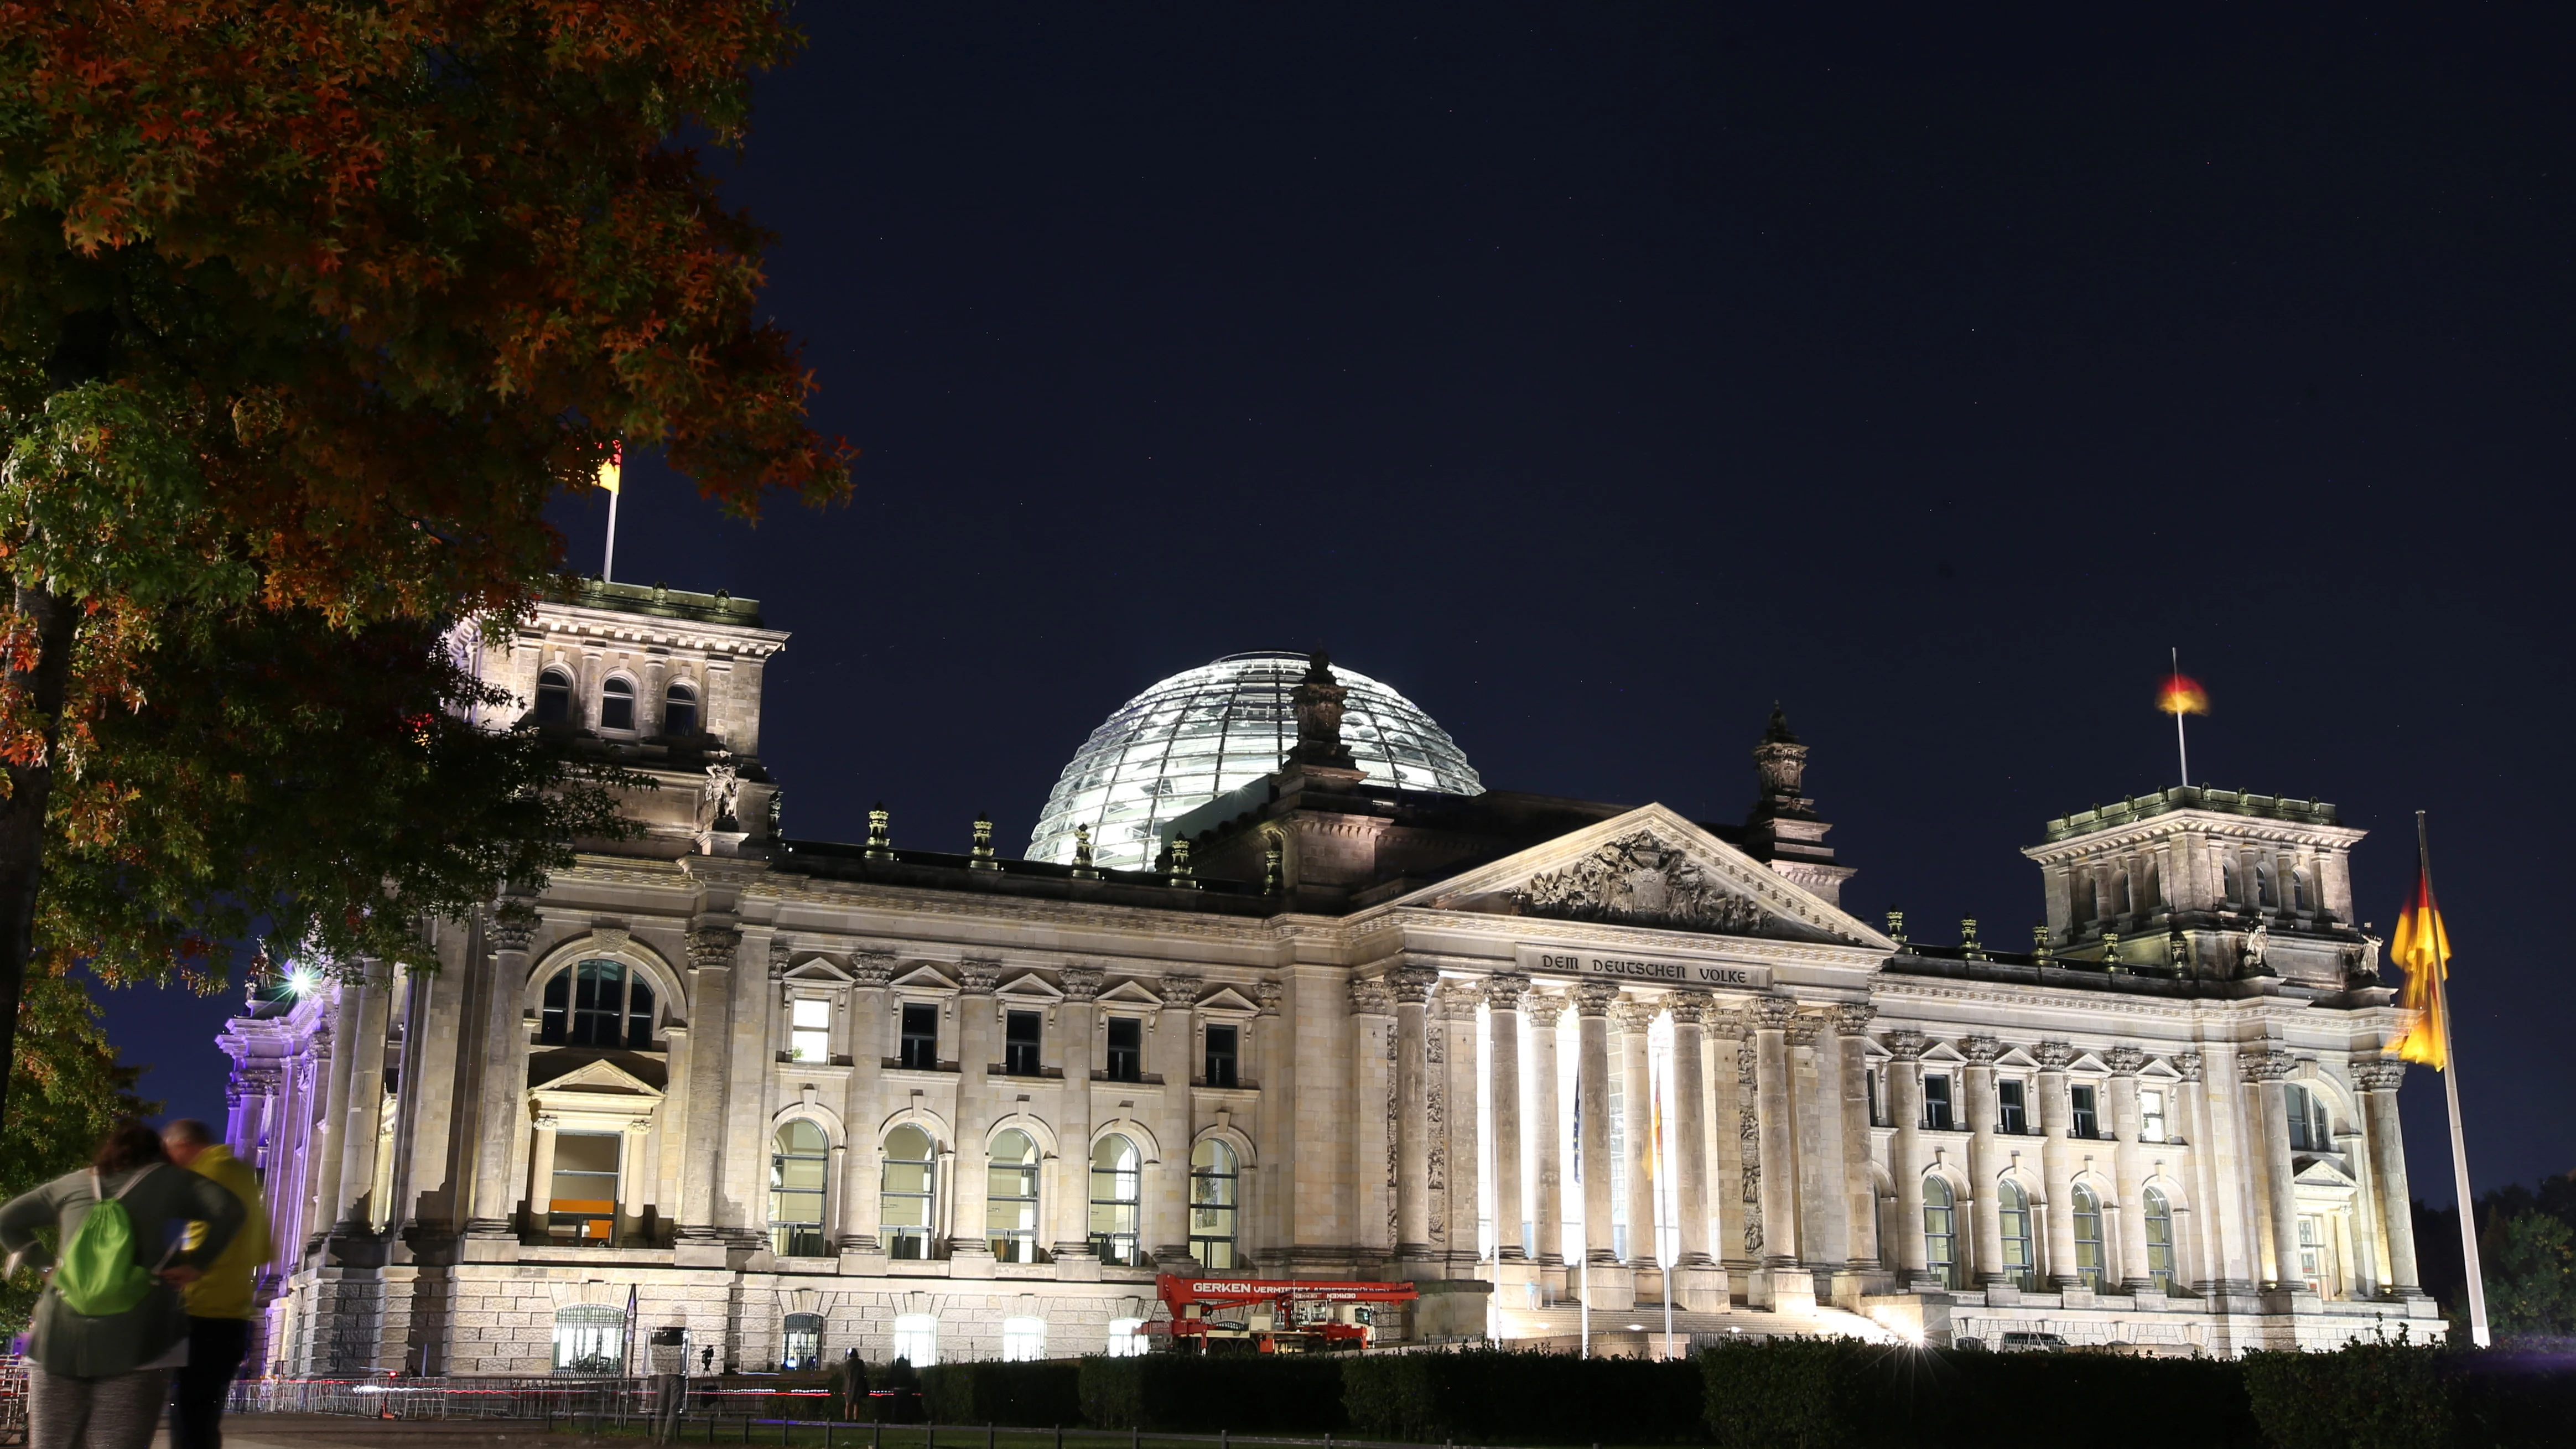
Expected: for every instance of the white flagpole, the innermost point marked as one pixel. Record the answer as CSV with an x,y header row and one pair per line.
x,y
609,560
2180,748
2451,1087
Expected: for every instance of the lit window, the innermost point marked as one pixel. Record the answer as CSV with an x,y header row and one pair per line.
x,y
800,1343
1011,1198
2151,1116
590,1339
680,713
1936,1102
1115,1173
916,1339
2088,1116
810,1034
2020,1265
921,1036
799,1161
903,1205
597,1003
1223,1044
1213,1201
2013,1115
1023,1340
2310,1129
581,1202
1126,1049
2160,1240
2088,1237
617,704
1126,1338
1940,1233
1020,1043
554,697
2313,1254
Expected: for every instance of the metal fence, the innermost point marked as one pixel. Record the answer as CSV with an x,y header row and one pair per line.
x,y
554,1398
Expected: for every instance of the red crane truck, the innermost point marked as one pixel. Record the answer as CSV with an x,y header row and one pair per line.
x,y
1277,1315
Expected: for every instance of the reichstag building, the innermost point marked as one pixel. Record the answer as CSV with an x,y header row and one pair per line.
x,y
1282,989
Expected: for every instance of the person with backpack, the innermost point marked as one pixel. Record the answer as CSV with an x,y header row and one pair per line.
x,y
220,1304
111,1325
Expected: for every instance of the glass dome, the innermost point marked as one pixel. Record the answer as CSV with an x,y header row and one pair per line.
x,y
1219,727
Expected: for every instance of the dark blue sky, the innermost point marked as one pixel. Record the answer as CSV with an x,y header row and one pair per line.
x,y
1598,376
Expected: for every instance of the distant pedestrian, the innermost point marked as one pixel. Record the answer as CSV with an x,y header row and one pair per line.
x,y
111,1325
219,1304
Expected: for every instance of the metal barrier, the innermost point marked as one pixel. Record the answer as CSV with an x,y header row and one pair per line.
x,y
551,1398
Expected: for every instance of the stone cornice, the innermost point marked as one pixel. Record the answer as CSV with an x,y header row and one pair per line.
x,y
2155,829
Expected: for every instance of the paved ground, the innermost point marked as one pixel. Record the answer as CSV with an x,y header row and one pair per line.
x,y
330,1431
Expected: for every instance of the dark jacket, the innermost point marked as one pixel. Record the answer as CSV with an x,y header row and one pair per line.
x,y
161,1204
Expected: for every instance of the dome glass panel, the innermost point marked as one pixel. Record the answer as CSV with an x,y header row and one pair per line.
x,y
1217,728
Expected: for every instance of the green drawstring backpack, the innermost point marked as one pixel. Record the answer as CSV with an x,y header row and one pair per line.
x,y
98,1276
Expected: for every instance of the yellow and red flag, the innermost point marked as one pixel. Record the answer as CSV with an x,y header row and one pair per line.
x,y
2182,695
2424,949
616,465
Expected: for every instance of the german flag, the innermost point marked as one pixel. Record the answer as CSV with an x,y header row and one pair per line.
x,y
2424,949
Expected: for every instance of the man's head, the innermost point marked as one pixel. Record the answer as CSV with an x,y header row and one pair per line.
x,y
184,1138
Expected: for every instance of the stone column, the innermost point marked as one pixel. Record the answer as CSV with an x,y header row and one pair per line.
x,y
2055,1111
1503,995
976,1036
1905,1157
1373,1116
1860,1192
365,1048
711,951
1769,1020
1075,1027
541,1176
1635,1017
1458,1003
328,1154
631,1180
2129,1178
1547,1227
2267,1069
1690,1126
2378,1081
861,1172
1985,1163
1166,1223
1411,986
1814,1083
1592,1000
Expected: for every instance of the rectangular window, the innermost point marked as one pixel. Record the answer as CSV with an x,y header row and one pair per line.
x,y
2088,1119
582,1205
921,1035
2151,1116
1936,1102
1222,1044
809,1035
2013,1115
1126,1049
1020,1044
2312,1253
1869,1086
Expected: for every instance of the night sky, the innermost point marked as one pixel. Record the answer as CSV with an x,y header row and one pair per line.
x,y
1599,377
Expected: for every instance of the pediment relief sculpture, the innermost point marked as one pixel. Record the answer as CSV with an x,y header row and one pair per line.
x,y
1638,880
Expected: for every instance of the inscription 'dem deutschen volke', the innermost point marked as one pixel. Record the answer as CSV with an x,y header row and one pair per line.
x,y
1664,970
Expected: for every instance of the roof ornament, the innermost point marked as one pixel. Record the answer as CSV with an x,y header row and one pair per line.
x,y
1083,869
1182,874
979,856
1317,700
880,845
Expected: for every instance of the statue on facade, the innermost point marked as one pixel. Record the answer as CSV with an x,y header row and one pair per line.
x,y
1317,702
2254,956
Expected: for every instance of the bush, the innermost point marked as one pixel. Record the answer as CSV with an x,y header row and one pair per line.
x,y
1028,1395
1805,1393
1498,1396
2412,1396
1188,1394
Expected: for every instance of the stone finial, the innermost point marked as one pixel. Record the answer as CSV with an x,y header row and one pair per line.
x,y
1503,992
2381,1075
2265,1066
1411,985
872,968
2187,1066
2040,949
880,841
1268,993
1179,988
1593,998
1317,702
976,978
2124,1061
979,853
2178,949
1771,1013
512,927
712,948
1981,1051
2055,1056
1781,762
1896,927
1083,869
1369,997
1272,877
1969,947
1544,1007
1080,983
2111,950
1907,1045
1852,1018
1181,871
1689,1008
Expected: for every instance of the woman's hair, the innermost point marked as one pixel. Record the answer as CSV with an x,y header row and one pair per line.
x,y
130,1146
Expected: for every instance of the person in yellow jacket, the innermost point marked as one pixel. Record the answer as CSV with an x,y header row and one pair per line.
x,y
220,1302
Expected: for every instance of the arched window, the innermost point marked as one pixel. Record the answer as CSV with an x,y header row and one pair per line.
x,y
1011,1198
903,1207
1023,1340
800,1343
1940,1233
1116,1171
2311,1130
2302,897
2264,894
2020,1265
617,704
2227,878
598,1003
554,697
799,1162
2160,1240
916,1338
2088,1237
590,1339
1212,1205
680,712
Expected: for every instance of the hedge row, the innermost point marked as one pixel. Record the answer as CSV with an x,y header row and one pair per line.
x,y
1190,1394
1003,1393
1496,1396
2403,1396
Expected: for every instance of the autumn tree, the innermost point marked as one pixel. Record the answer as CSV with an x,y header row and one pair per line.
x,y
306,308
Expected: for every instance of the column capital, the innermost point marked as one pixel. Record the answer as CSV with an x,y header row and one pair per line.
x,y
1267,992
712,948
1907,1045
1981,1051
2265,1066
1689,1008
1503,991
2124,1061
1457,1000
2381,1075
513,926
781,956
1852,1018
871,968
1411,985
1080,983
1369,997
547,1123
1593,998
2053,1056
1806,1027
1544,1007
1771,1013
1634,1016
2186,1065
1179,989
977,978
639,1126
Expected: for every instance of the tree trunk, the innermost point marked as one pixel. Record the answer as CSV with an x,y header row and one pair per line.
x,y
22,815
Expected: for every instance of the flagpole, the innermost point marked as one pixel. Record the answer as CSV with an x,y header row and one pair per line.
x,y
2451,1086
609,559
2180,748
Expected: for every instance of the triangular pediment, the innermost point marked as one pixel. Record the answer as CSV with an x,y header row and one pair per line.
x,y
1131,993
1651,868
2322,1173
1030,986
818,970
1228,999
597,1076
926,978
2016,1057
